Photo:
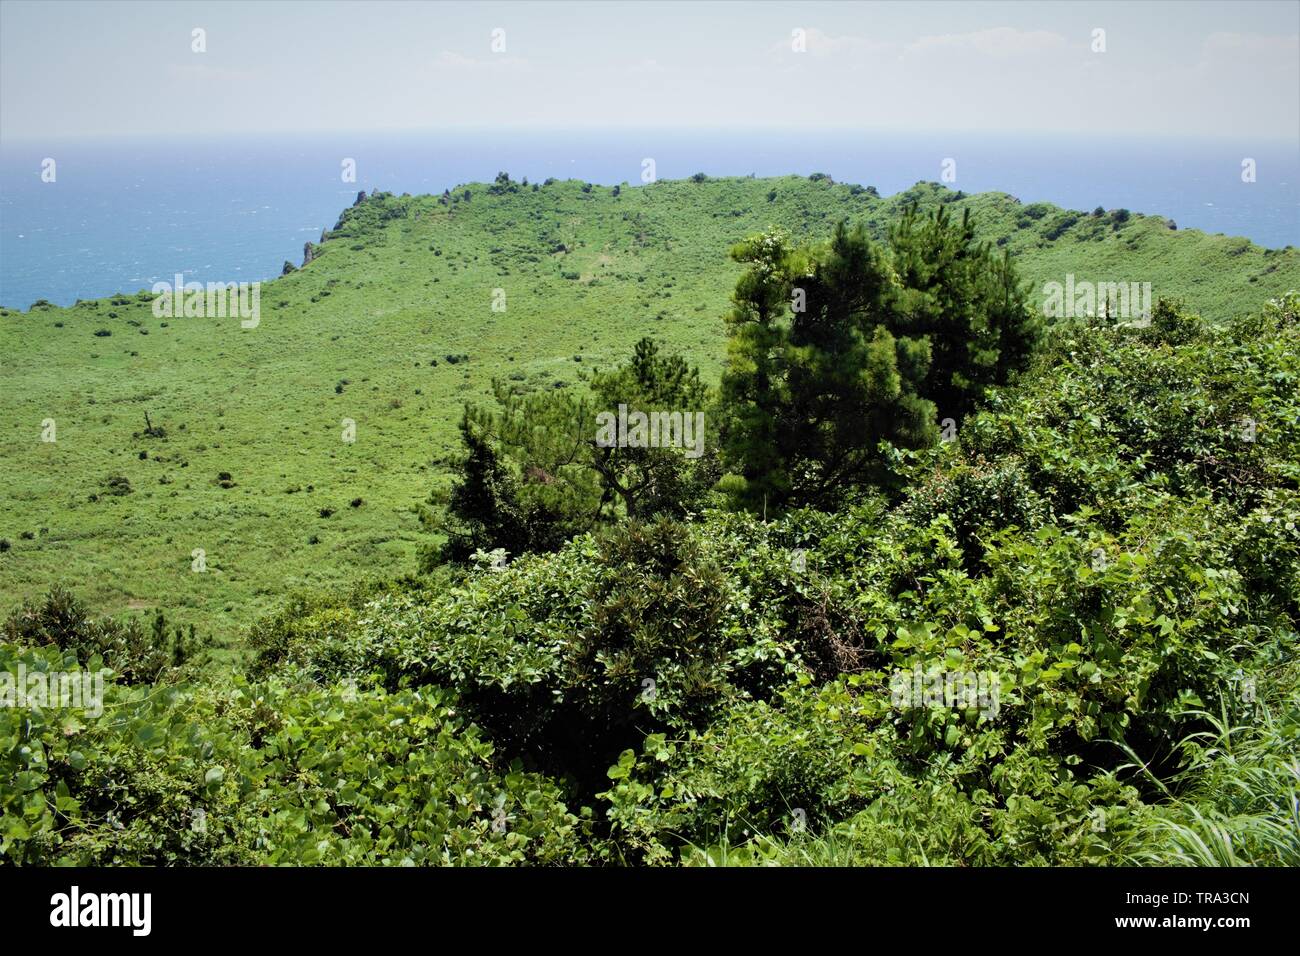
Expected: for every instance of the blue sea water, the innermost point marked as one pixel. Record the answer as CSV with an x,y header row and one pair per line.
x,y
124,214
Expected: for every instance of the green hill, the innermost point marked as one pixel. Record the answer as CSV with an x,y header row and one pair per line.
x,y
392,326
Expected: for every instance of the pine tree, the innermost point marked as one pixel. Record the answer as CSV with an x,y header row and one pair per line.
x,y
663,479
815,378
967,303
534,472
752,393
838,348
482,510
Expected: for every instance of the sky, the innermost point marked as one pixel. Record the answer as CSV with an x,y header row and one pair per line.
x,y
1199,69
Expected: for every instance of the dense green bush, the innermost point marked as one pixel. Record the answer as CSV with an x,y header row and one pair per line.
x,y
60,621
268,773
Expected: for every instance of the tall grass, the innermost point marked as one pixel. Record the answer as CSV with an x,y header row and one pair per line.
x,y
1238,793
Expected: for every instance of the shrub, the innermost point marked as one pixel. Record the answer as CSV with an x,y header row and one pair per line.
x,y
62,622
267,775
975,498
116,486
1059,225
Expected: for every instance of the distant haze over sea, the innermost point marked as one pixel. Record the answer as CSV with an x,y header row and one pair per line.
x,y
125,214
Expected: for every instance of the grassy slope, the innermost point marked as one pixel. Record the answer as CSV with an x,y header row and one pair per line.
x,y
375,308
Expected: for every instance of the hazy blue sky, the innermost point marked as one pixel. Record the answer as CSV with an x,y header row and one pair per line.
x,y
1204,69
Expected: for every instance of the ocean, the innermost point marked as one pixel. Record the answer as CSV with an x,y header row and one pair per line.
x,y
123,214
